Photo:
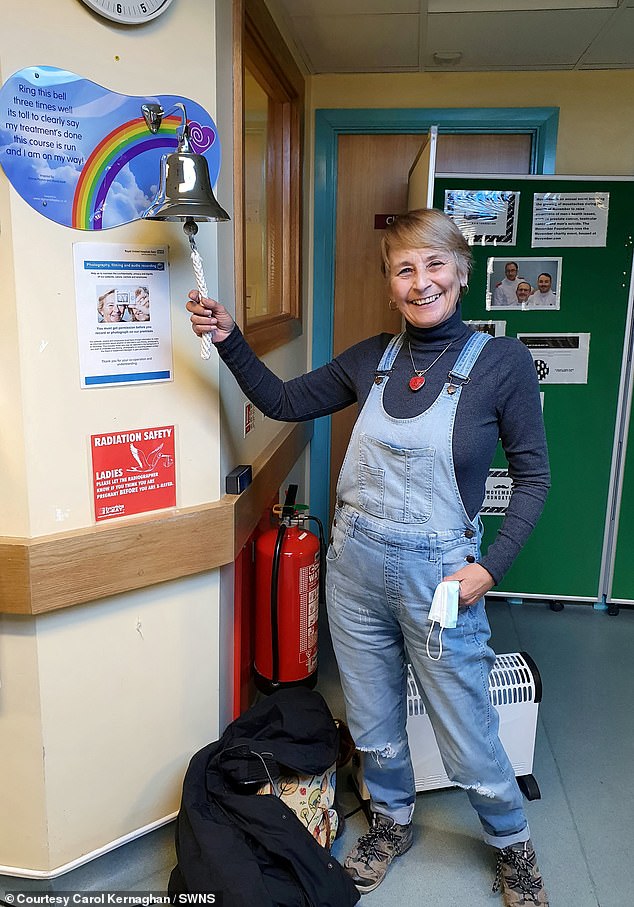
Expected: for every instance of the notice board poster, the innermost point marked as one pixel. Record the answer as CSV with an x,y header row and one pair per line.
x,y
133,471
570,219
499,486
559,358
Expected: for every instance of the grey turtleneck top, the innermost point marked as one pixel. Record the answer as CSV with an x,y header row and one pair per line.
x,y
501,401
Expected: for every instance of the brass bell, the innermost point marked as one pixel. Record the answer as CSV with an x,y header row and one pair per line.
x,y
184,185
185,190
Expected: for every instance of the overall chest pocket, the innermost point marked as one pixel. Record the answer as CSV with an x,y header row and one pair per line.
x,y
395,483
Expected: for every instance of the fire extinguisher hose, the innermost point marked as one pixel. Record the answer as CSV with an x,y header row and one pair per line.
x,y
322,559
275,576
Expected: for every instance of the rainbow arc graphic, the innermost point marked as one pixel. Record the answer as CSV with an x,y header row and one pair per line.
x,y
115,150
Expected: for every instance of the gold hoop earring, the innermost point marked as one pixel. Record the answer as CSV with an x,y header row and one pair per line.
x,y
392,306
464,290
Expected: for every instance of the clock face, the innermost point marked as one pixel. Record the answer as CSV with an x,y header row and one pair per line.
x,y
129,12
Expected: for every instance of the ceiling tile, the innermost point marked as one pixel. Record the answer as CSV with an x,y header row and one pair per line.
x,y
296,8
372,43
517,40
485,6
615,45
494,35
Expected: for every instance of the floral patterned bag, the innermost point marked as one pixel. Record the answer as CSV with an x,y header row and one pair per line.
x,y
312,799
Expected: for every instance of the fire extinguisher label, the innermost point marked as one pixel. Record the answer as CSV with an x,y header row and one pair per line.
x,y
309,613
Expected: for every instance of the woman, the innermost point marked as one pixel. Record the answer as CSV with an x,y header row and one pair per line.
x,y
109,310
434,401
140,308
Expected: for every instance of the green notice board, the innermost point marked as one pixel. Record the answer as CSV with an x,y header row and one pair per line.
x,y
563,557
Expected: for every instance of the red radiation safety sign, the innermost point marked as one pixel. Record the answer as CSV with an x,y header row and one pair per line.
x,y
133,471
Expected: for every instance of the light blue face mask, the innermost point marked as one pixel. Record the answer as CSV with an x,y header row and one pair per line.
x,y
443,611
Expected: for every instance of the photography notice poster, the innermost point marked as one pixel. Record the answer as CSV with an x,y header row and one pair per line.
x,y
123,313
133,471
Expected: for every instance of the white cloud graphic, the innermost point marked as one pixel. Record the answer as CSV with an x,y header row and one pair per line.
x,y
125,201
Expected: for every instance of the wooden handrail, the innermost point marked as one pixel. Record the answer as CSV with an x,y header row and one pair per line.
x,y
56,571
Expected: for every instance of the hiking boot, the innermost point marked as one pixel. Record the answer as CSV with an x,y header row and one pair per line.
x,y
518,876
369,859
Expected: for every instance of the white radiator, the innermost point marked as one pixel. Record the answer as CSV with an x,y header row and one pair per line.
x,y
515,690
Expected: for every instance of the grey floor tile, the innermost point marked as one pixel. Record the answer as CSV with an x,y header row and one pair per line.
x,y
582,825
585,660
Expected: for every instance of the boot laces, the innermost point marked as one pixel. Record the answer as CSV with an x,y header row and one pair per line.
x,y
368,846
523,880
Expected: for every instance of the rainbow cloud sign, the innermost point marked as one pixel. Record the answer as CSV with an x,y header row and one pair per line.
x,y
82,155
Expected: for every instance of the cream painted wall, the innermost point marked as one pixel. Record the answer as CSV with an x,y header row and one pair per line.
x,y
136,696
22,785
13,498
596,121
102,705
59,416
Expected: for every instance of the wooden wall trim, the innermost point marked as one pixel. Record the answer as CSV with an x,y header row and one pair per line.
x,y
56,571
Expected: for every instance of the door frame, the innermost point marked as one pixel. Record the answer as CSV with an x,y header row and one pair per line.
x,y
540,122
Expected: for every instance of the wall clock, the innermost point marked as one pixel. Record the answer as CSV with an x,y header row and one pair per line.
x,y
128,12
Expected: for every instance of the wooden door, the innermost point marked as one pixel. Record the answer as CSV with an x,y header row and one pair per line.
x,y
372,178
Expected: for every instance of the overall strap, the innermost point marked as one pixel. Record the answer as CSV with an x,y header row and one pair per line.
x,y
468,357
390,354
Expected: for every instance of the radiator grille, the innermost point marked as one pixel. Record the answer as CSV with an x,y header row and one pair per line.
x,y
511,681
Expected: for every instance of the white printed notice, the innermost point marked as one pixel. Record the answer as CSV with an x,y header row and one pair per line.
x,y
499,486
559,358
494,328
570,218
123,313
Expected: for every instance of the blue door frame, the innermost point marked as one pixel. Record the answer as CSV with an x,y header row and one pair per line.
x,y
540,122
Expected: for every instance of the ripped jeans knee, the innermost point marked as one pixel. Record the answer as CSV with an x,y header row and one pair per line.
x,y
387,773
476,787
388,751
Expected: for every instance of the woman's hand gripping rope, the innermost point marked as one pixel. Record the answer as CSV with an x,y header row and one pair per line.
x,y
209,317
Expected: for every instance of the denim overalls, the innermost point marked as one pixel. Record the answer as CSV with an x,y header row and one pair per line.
x,y
400,527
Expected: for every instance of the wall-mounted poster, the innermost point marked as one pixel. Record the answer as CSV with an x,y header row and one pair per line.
x,y
485,217
494,328
497,495
123,313
523,284
559,358
133,471
82,155
570,218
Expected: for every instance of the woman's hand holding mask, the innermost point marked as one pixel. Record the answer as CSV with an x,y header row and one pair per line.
x,y
475,581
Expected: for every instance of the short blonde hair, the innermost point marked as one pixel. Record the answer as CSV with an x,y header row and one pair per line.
x,y
426,228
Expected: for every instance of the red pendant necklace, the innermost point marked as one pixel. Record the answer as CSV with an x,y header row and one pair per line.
x,y
418,378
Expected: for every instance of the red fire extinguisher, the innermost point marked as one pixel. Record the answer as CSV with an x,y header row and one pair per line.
x,y
289,588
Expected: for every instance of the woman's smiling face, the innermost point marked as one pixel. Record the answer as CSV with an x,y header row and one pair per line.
x,y
425,285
